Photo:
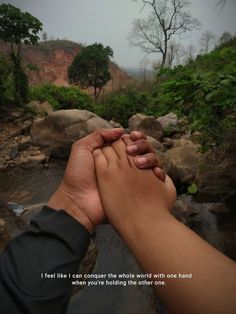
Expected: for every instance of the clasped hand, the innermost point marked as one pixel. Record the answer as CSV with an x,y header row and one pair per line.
x,y
78,193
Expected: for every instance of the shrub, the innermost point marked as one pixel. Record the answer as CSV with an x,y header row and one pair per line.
x,y
121,106
61,97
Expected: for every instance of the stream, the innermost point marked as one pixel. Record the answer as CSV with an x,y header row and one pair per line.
x,y
30,187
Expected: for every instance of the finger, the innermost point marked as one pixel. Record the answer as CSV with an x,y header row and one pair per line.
x,y
160,173
127,139
147,161
137,135
120,149
140,147
110,155
99,159
99,138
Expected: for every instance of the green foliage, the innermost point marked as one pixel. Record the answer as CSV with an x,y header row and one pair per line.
x,y
204,91
120,107
17,27
6,82
192,189
33,67
61,97
66,45
90,67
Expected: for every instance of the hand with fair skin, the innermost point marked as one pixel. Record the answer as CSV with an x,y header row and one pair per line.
x,y
78,192
138,206
129,188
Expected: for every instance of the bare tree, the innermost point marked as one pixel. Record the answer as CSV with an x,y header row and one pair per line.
x,y
221,3
190,53
226,36
167,19
175,53
207,41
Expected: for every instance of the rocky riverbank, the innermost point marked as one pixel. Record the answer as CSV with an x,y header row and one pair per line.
x,y
32,140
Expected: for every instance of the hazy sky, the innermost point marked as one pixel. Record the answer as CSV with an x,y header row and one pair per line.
x,y
110,21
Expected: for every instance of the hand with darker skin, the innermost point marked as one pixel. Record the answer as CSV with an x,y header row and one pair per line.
x,y
78,191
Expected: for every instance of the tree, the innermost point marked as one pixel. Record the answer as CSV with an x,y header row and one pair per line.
x,y
168,18
221,3
17,27
207,41
190,53
175,54
90,68
45,36
225,37
6,84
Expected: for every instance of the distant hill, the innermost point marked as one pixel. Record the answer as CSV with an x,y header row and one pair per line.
x,y
49,61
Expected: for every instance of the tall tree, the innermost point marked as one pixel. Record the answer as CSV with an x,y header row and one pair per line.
x,y
207,41
45,36
17,27
167,19
90,68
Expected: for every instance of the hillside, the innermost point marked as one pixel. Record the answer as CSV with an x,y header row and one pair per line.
x,y
49,61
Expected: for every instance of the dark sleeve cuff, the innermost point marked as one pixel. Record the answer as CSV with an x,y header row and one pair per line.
x,y
60,224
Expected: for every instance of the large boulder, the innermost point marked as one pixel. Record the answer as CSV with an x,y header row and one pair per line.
x,y
217,182
183,163
60,129
135,120
147,124
39,108
155,144
170,120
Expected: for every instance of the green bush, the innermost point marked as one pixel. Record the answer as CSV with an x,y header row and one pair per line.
x,y
61,97
121,106
203,91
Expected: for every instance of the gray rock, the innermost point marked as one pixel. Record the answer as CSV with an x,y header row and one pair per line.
x,y
169,120
39,108
24,143
168,142
32,161
135,120
60,129
147,124
115,124
183,163
26,126
155,143
14,151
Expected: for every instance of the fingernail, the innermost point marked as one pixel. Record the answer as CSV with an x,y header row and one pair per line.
x,y
141,161
132,149
137,134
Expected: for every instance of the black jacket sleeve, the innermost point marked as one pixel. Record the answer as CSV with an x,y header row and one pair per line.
x,y
54,244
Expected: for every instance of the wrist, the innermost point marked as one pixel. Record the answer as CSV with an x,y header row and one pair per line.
x,y
140,218
62,200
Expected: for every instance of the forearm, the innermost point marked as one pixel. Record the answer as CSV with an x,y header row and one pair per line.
x,y
55,243
161,244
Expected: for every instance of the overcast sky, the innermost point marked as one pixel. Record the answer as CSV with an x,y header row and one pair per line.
x,y
110,21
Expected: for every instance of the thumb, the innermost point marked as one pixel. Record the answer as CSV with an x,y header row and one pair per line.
x,y
98,138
